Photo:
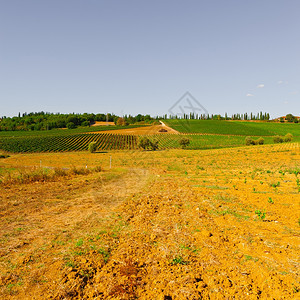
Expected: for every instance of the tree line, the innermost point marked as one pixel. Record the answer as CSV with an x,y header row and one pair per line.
x,y
245,117
47,121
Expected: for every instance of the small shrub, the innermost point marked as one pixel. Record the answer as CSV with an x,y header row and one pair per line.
x,y
248,141
79,171
260,141
154,145
261,215
277,139
92,147
178,260
288,137
59,172
144,143
184,142
98,169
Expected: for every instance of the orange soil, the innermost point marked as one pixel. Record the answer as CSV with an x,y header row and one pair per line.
x,y
151,129
159,225
97,123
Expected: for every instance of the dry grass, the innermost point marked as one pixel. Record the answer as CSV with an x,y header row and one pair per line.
x,y
158,225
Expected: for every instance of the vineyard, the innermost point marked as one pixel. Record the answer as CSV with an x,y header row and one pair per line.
x,y
110,141
77,142
207,134
244,128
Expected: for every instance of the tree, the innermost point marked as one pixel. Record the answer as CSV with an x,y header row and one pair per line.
x,y
144,143
154,145
290,118
184,142
71,125
288,137
92,147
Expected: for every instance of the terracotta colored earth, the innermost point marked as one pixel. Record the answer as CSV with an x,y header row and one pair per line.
x,y
98,123
177,224
145,130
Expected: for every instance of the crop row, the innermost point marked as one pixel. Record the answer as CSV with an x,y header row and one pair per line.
x,y
77,142
109,141
239,128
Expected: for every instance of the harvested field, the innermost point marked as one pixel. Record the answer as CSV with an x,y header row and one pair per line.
x,y
174,224
98,123
145,130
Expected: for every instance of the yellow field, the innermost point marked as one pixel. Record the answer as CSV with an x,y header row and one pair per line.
x,y
145,130
177,224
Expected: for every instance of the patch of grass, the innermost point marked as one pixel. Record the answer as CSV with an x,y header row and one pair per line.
x,y
79,243
178,260
260,214
249,257
229,212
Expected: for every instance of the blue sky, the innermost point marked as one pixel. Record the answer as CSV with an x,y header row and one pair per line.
x,y
135,56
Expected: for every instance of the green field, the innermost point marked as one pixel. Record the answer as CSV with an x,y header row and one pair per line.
x,y
63,132
234,127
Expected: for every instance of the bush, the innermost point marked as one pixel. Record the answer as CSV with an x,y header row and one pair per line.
x,y
288,137
71,125
154,145
85,123
277,139
146,143
260,141
248,141
184,142
92,147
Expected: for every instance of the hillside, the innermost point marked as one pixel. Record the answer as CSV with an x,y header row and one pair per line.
x,y
245,128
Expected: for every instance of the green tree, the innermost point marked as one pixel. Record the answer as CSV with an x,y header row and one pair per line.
x,y
290,118
144,143
154,145
92,147
184,142
71,125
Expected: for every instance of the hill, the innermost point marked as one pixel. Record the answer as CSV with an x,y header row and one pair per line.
x,y
245,128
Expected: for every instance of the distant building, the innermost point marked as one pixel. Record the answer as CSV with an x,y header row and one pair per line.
x,y
284,119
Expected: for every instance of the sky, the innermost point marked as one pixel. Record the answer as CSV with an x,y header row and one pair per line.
x,y
136,56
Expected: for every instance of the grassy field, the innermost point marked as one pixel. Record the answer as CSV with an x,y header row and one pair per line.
x,y
172,224
63,132
234,127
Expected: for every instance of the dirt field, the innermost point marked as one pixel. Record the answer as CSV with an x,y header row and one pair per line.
x,y
178,224
98,123
145,130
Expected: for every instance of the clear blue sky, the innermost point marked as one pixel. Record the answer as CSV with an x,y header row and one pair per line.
x,y
135,56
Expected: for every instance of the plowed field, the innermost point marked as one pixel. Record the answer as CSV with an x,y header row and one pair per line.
x,y
174,224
